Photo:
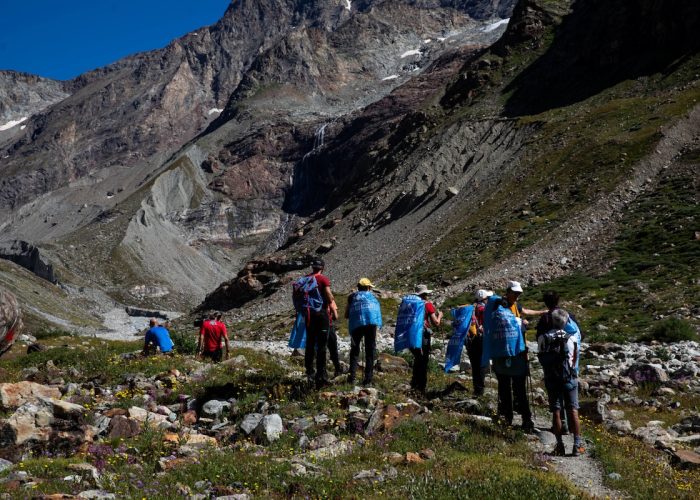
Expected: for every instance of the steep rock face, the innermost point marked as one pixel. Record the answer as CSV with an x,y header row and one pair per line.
x,y
132,205
23,95
29,257
602,43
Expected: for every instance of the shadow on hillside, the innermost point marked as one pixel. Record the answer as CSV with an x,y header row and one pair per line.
x,y
602,43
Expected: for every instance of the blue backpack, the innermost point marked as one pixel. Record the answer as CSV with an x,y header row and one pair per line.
x,y
409,324
306,296
364,310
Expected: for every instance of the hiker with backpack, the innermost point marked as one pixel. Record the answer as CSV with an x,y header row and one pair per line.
x,y
475,341
211,334
314,301
421,354
504,345
551,300
557,352
364,316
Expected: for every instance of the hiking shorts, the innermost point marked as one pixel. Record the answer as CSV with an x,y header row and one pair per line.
x,y
215,356
559,394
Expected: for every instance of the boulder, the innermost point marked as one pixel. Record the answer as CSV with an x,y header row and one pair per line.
x,y
270,428
322,441
214,408
686,459
13,396
413,458
123,427
651,434
29,423
96,495
641,372
393,364
251,422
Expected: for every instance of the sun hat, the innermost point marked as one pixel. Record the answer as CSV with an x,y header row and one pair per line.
x,y
515,286
365,282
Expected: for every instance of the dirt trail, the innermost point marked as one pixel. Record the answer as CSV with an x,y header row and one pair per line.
x,y
583,471
582,238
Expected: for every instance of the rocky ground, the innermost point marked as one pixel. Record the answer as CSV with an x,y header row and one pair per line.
x,y
78,427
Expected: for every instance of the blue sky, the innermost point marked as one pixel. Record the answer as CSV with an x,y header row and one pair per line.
x,y
64,38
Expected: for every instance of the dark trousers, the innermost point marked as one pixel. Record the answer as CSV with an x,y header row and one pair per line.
x,y
215,356
419,380
333,348
369,334
474,350
510,386
316,341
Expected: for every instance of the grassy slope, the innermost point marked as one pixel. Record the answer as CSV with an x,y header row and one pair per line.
x,y
471,460
579,153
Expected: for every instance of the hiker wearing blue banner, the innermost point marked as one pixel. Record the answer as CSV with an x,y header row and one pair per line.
x,y
504,344
421,355
365,316
314,300
513,291
557,352
475,341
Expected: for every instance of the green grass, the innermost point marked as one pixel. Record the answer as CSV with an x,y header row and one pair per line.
x,y
645,472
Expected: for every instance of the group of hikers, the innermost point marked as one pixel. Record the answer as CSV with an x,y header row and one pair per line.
x,y
212,341
493,329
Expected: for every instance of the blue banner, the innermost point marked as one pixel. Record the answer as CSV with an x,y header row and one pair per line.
x,y
461,320
409,324
297,339
364,310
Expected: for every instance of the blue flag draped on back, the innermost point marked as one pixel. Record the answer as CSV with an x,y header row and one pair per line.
x,y
502,332
409,324
364,310
297,339
461,319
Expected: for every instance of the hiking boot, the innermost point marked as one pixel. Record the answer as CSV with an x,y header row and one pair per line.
x,y
528,427
321,383
559,450
351,379
366,383
578,449
296,353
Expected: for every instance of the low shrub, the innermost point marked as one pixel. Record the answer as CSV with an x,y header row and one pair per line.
x,y
185,342
671,330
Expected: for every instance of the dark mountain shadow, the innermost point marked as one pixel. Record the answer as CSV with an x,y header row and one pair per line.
x,y
601,43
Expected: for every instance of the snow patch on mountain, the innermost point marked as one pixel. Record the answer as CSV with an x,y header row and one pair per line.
x,y
13,123
490,27
408,53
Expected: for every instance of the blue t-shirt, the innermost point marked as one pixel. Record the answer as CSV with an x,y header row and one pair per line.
x,y
159,336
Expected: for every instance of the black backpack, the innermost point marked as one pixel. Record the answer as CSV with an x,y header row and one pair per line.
x,y
554,357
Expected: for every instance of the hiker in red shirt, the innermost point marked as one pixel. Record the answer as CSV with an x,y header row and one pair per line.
x,y
318,324
209,342
223,333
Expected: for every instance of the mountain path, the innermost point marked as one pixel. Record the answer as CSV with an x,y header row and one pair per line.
x,y
581,238
584,471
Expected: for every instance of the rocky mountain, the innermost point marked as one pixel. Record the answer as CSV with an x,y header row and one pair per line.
x,y
163,173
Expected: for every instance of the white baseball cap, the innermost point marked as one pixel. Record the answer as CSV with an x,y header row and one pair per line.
x,y
515,286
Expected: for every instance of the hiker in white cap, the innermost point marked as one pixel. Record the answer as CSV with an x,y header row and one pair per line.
x,y
419,380
513,291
